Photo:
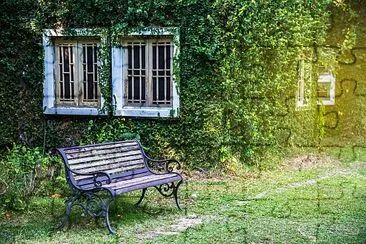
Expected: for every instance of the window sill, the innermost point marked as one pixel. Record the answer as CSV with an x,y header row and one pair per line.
x,y
149,112
73,111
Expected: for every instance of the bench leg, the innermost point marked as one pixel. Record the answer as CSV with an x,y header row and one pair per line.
x,y
168,190
66,219
142,196
106,217
175,194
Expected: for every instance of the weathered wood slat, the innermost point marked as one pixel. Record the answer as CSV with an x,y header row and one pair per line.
x,y
117,160
99,147
139,180
138,163
111,172
104,157
76,155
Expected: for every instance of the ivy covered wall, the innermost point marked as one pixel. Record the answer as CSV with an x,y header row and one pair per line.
x,y
345,122
238,76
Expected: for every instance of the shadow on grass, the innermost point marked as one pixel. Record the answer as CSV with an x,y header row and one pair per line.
x,y
44,215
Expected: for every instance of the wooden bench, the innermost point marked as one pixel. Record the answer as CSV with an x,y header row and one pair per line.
x,y
98,173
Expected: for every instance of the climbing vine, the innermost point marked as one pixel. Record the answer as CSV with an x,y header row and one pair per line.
x,y
237,75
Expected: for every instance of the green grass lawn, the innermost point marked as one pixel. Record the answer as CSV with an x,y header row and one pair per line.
x,y
323,203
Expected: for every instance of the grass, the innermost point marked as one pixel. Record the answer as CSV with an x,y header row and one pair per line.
x,y
325,203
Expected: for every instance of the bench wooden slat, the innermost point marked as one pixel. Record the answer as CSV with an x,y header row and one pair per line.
x,y
104,157
94,152
111,161
139,163
139,180
111,172
98,147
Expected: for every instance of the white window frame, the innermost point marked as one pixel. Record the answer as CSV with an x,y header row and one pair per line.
x,y
327,78
50,104
303,95
119,67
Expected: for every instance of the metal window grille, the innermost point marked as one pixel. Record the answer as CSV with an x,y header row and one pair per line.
x,y
148,72
77,73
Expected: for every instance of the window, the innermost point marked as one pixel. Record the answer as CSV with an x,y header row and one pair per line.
x,y
326,88
71,82
143,76
77,73
303,95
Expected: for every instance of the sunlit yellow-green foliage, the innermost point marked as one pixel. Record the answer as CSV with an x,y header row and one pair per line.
x,y
237,75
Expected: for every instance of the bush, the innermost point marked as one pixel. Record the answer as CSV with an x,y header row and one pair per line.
x,y
26,172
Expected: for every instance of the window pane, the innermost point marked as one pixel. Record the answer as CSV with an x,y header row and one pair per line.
x,y
136,73
168,85
168,56
161,94
136,57
161,57
155,87
130,89
129,51
90,73
90,58
66,59
154,57
67,86
161,73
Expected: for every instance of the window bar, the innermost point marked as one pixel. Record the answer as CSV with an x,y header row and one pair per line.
x,y
133,72
157,73
87,73
95,80
61,83
165,69
171,47
140,72
71,69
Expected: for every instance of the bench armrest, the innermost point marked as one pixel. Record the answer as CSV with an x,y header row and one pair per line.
x,y
97,183
165,164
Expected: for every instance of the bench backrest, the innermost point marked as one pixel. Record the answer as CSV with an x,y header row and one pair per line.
x,y
118,159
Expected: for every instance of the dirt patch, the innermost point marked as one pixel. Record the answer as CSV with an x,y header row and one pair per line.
x,y
180,226
310,162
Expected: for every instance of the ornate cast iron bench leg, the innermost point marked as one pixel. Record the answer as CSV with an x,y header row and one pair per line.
x,y
106,217
142,196
168,190
176,194
69,204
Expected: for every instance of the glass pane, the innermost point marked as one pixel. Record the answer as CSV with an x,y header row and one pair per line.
x,y
161,93
72,72
143,57
95,72
168,95
168,56
136,88
95,53
67,86
66,59
161,57
155,87
96,90
60,54
136,57
90,86
90,58
129,85
143,84
84,54
129,52
154,56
